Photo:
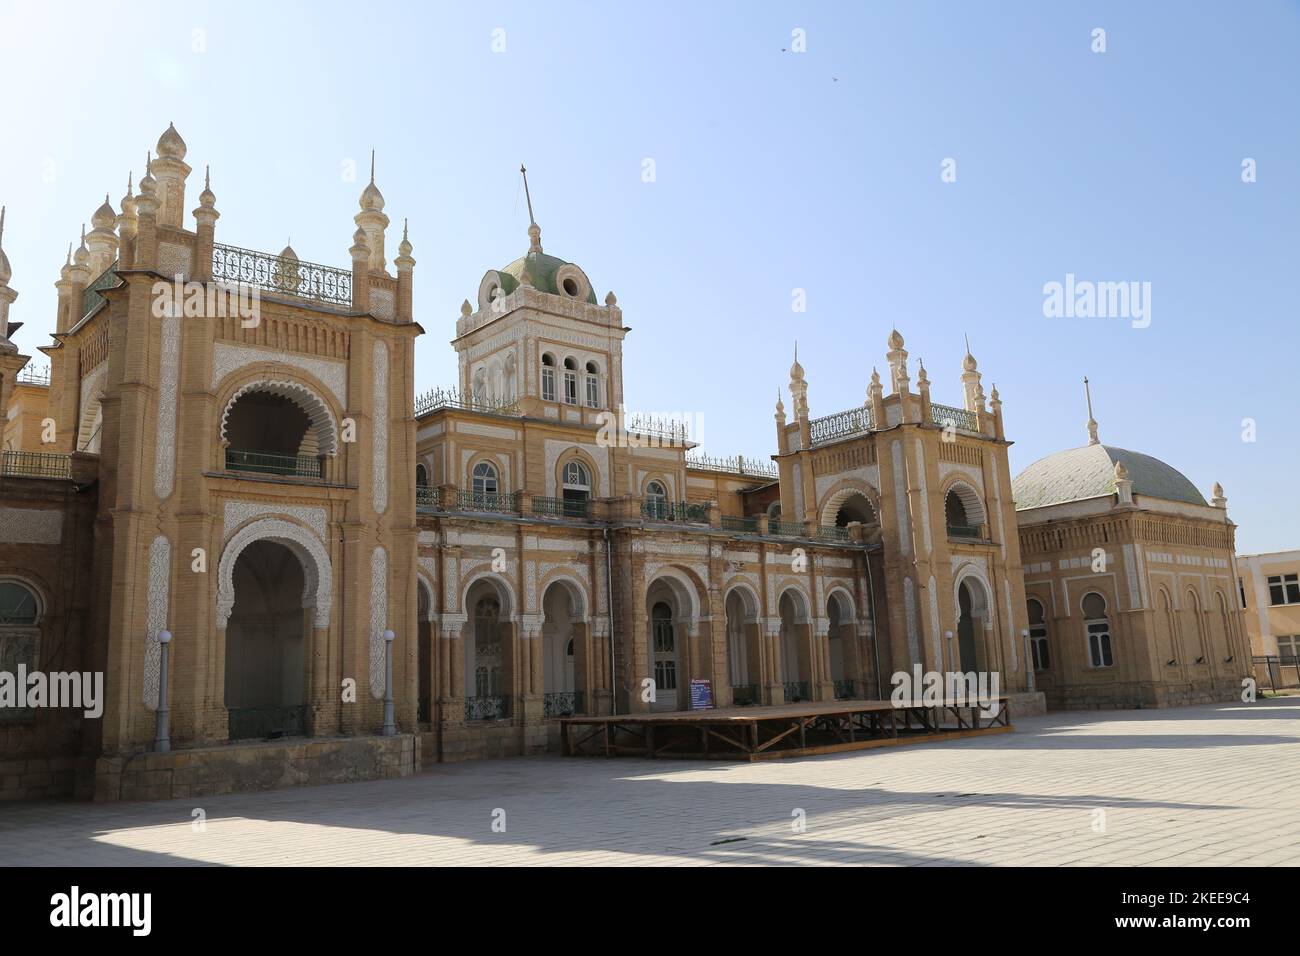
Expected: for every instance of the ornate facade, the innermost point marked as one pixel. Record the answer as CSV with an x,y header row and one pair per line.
x,y
265,487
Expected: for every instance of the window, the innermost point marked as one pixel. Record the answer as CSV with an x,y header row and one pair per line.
x,y
421,477
18,607
1038,637
1242,588
548,377
958,521
593,385
487,648
1288,648
1284,589
1098,628
570,382
19,638
485,479
656,500
577,489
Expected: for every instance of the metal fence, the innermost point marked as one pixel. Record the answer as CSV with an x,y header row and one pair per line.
x,y
306,280
35,464
1275,673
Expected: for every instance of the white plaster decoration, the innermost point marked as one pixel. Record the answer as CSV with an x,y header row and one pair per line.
x,y
429,566
379,429
332,373
477,540
378,619
175,259
796,490
238,512
427,538
487,431
160,552
556,448
1130,567
318,574
530,586
30,526
450,584
1142,578
381,304
900,498
909,608
997,509
318,413
971,475
868,475
92,390
935,647
1011,625
925,498
164,473
576,578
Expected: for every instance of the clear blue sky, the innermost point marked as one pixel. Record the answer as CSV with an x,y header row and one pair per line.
x,y
771,175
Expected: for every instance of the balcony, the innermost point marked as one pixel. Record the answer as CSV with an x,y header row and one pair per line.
x,y
796,690
264,463
437,398
785,529
487,502
742,525
564,703
831,428
970,532
545,507
659,509
32,464
487,708
739,465
744,695
427,499
303,280
956,417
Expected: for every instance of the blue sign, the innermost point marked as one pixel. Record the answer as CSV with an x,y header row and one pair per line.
x,y
701,695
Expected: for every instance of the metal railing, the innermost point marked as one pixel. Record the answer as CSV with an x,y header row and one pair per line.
x,y
487,708
34,464
796,690
34,375
659,427
563,703
91,298
561,507
847,690
744,695
659,509
482,501
1276,670
437,398
786,529
739,465
963,531
958,417
305,280
427,499
743,525
264,463
829,428
828,532
247,723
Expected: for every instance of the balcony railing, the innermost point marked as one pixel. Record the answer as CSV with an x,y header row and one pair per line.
x,y
831,428
561,507
744,695
959,417
796,690
91,298
33,464
786,529
847,690
264,463
427,499
832,533
657,509
482,501
564,703
743,525
453,398
487,708
34,375
739,465
305,280
963,531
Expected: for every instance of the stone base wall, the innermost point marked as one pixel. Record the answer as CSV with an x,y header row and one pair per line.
x,y
262,765
37,778
1139,696
1027,703
482,740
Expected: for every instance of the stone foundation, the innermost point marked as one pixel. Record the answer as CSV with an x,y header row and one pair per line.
x,y
260,765
1027,703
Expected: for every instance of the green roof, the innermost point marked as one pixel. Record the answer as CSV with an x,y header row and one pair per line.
x,y
1089,472
540,269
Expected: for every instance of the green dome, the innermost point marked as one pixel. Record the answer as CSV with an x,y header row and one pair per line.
x,y
1089,472
540,270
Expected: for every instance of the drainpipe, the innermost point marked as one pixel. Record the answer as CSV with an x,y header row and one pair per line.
x,y
609,610
875,633
162,741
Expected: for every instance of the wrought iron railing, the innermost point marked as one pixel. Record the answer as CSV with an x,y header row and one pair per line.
x,y
743,525
744,695
827,532
91,298
846,689
957,417
963,531
487,708
427,499
663,428
796,690
786,529
437,398
34,464
831,428
659,509
264,463
563,703
1281,671
482,501
264,722
561,507
739,465
305,280
34,375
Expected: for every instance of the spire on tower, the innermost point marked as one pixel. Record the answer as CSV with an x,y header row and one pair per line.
x,y
534,230
1092,422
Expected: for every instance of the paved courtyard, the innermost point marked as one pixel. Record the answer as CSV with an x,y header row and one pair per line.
x,y
1202,785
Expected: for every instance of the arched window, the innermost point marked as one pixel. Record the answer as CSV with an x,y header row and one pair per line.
x,y
955,514
656,500
487,648
18,605
1097,626
421,476
570,382
576,489
480,393
20,637
663,647
485,479
593,385
548,377
774,511
1038,636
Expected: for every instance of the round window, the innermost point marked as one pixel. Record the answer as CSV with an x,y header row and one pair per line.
x,y
571,286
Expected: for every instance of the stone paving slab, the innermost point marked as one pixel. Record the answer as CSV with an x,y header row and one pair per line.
x,y
1200,785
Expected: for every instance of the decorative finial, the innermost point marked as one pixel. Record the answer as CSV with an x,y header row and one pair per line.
x,y
2,224
129,177
967,338
1092,422
372,167
207,177
405,223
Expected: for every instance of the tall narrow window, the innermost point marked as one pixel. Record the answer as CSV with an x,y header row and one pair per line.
x,y
1098,628
548,377
485,483
593,385
577,489
570,382
656,500
1038,637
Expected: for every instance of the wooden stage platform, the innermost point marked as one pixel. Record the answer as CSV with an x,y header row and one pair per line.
x,y
789,730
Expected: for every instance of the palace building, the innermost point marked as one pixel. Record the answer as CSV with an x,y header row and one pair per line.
x,y
290,568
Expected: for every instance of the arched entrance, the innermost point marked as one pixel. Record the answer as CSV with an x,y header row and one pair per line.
x,y
744,657
842,647
796,650
424,653
564,658
265,678
489,675
972,619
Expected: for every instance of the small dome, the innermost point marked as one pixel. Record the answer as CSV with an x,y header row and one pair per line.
x,y
170,144
1218,490
796,372
895,340
6,271
128,201
538,270
466,309
104,217
1090,472
288,253
968,364
372,200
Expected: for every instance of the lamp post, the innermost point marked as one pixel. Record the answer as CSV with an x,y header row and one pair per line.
x,y
162,735
1029,659
389,727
